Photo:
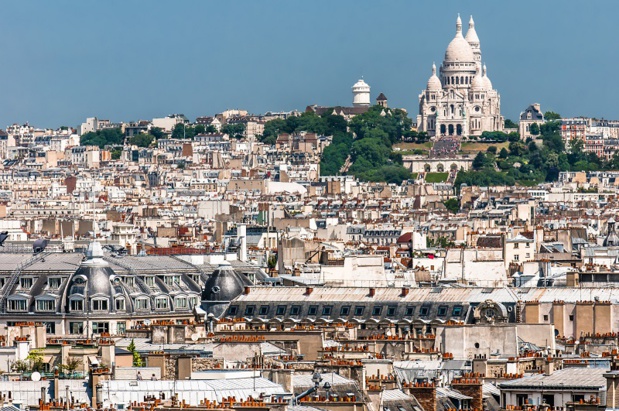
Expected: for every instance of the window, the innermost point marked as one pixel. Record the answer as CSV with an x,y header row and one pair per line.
x,y
249,310
457,311
345,310
424,311
99,305
172,279
516,246
572,317
233,310
180,302
130,281
359,310
76,305
100,327
326,310
25,282
121,327
46,305
150,281
528,255
161,303
312,310
295,310
442,310
377,310
50,327
119,304
527,245
54,282
76,328
193,301
410,311
516,257
264,310
18,305
391,311
141,303
281,310
546,317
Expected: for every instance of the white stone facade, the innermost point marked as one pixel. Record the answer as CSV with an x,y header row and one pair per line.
x,y
461,102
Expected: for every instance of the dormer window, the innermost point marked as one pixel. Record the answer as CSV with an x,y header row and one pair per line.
x,y
150,281
141,303
54,282
100,304
25,283
46,305
119,304
19,305
76,305
180,302
161,303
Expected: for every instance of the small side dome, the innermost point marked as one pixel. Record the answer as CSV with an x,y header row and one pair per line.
x,y
487,82
224,285
434,83
478,82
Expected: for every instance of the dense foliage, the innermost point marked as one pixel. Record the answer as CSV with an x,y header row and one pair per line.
x,y
533,161
142,140
101,138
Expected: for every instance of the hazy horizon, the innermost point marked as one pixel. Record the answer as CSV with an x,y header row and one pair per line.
x,y
68,60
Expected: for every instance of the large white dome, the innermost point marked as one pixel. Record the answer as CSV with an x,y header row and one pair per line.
x,y
459,50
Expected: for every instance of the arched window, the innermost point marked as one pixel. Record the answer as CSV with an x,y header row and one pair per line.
x,y
457,80
451,129
427,167
443,129
462,80
459,129
440,167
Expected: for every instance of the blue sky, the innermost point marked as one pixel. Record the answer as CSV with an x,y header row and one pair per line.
x,y
124,60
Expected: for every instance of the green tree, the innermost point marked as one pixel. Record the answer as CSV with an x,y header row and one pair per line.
x,y
157,133
35,359
452,204
551,116
116,153
142,140
534,129
102,138
137,359
492,150
235,130
503,153
71,366
510,124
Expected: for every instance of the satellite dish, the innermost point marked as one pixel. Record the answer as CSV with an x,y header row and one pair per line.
x,y
194,337
147,322
36,376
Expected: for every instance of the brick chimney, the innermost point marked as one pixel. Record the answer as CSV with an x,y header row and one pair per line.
x,y
246,290
472,385
425,393
372,292
404,292
308,290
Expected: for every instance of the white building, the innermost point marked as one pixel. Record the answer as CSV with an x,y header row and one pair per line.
x,y
361,94
461,102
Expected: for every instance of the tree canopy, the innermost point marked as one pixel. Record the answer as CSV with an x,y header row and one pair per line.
x,y
102,138
142,140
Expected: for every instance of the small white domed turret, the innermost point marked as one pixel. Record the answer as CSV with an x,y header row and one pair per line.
x,y
434,83
487,82
361,94
478,81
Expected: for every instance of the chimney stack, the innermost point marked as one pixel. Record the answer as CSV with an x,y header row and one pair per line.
x,y
372,292
246,291
404,291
